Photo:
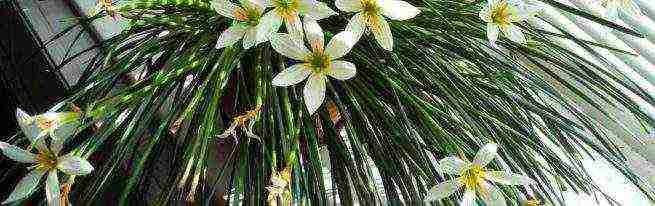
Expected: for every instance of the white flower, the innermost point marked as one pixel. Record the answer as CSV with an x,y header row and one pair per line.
x,y
279,186
474,178
45,163
247,19
627,7
317,64
59,125
501,15
370,15
289,11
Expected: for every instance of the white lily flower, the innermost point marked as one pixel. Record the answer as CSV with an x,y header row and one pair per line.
x,y
289,12
59,125
627,7
474,178
46,162
247,18
317,64
501,15
370,15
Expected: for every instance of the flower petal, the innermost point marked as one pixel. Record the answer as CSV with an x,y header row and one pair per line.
x,y
348,5
285,45
340,44
357,25
398,10
319,11
26,186
291,75
314,34
342,70
224,8
452,165
230,36
74,165
250,37
27,125
258,4
492,32
485,13
468,199
294,28
632,8
268,25
382,33
443,190
508,178
314,92
66,130
494,196
16,153
52,188
486,154
514,33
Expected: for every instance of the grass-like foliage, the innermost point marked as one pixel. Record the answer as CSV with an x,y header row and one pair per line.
x,y
158,99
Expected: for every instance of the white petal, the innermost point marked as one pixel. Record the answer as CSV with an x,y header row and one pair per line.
x,y
52,188
314,92
305,5
357,25
74,165
291,75
314,33
452,165
27,124
258,4
16,153
342,70
485,13
294,28
66,130
612,11
508,178
268,25
348,5
320,11
285,45
492,32
514,33
26,186
230,36
494,196
382,33
398,10
224,8
250,37
468,199
632,8
340,44
486,154
443,190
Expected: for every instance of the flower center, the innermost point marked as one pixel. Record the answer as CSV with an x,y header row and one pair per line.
x,y
472,177
248,15
500,14
318,62
286,8
46,160
369,7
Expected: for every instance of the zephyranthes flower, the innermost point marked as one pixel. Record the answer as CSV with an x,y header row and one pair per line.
x,y
279,185
501,15
45,163
370,15
247,18
59,125
317,64
474,178
289,11
628,7
107,6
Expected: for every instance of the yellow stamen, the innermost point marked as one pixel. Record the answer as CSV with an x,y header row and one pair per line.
x,y
248,15
286,8
318,61
369,7
46,160
473,177
500,14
